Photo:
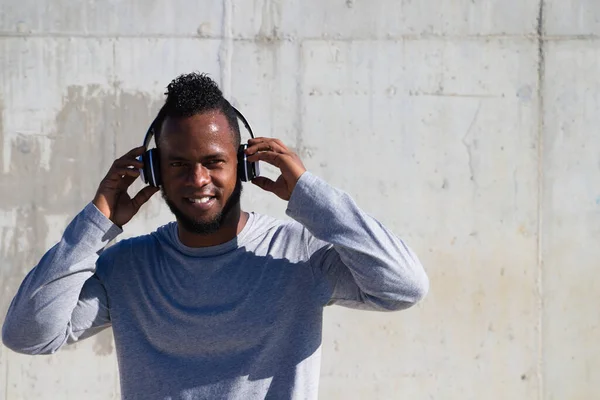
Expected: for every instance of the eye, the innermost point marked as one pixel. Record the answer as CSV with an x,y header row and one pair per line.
x,y
214,163
176,164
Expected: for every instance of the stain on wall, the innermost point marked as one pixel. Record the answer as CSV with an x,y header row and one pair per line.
x,y
93,126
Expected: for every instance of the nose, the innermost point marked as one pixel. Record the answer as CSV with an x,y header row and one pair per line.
x,y
199,175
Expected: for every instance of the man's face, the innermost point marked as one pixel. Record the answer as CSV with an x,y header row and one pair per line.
x,y
198,169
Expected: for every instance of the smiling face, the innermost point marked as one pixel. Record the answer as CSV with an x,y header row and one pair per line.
x,y
199,172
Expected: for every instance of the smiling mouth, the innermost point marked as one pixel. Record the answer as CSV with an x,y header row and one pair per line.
x,y
199,200
202,203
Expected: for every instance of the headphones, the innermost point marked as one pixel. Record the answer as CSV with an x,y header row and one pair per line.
x,y
150,173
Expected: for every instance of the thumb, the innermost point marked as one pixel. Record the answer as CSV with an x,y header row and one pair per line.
x,y
143,196
264,183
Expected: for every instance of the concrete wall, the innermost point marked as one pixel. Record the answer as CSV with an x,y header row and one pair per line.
x,y
468,127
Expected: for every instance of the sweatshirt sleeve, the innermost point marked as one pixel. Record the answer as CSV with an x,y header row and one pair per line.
x,y
62,300
356,260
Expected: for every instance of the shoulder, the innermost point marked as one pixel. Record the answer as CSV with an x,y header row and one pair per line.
x,y
265,229
139,242
123,251
262,224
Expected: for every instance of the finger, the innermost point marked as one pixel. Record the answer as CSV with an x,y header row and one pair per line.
x,y
259,139
264,183
115,177
143,196
272,142
126,181
136,151
122,177
280,144
276,159
121,172
128,163
270,145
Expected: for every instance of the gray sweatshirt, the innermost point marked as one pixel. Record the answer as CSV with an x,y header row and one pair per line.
x,y
241,320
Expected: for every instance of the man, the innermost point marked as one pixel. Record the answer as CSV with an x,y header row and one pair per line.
x,y
221,303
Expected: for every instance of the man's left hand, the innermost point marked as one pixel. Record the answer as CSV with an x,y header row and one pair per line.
x,y
274,152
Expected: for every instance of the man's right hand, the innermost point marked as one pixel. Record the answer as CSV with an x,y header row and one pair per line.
x,y
112,198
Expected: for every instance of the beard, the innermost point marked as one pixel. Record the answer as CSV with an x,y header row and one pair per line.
x,y
205,227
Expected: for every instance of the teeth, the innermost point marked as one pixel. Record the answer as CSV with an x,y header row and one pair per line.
x,y
205,199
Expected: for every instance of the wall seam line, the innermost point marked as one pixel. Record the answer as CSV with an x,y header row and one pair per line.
x,y
540,176
226,50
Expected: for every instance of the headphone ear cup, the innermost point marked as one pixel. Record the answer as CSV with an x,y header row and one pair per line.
x,y
142,159
151,171
246,170
241,163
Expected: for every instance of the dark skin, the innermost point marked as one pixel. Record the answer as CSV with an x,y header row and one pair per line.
x,y
198,161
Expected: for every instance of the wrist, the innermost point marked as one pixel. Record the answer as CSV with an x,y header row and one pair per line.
x,y
102,206
108,228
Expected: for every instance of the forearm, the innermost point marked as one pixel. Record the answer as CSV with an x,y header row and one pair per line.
x,y
381,266
38,319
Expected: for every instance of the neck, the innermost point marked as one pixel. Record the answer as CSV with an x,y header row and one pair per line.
x,y
230,228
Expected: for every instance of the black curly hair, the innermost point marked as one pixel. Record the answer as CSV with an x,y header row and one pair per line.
x,y
195,93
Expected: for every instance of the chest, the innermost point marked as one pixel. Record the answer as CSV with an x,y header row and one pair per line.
x,y
212,308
